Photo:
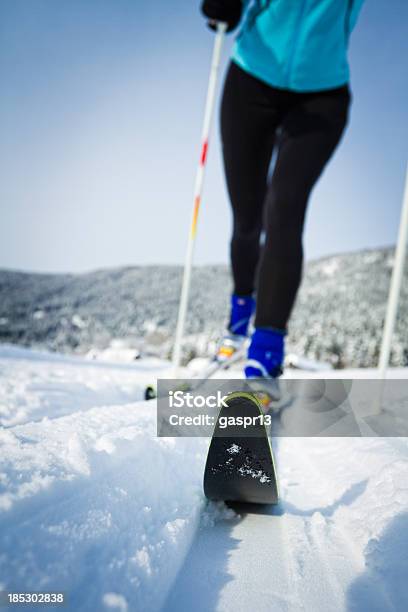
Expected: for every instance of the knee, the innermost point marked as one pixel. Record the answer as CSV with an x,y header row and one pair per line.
x,y
283,235
246,230
285,212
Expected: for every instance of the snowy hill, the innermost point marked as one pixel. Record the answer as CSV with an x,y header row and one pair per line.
x,y
338,317
94,504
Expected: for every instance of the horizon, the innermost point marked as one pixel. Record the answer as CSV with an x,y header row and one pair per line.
x,y
181,265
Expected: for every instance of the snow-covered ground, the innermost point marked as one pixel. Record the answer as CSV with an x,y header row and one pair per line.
x,y
92,503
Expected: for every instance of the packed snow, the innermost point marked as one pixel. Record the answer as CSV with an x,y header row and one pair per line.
x,y
94,504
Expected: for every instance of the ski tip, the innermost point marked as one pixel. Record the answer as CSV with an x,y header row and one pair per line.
x,y
150,392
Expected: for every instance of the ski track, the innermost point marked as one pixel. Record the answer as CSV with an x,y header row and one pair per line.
x,y
297,556
93,503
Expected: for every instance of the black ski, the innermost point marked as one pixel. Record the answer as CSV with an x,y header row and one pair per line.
x,y
240,465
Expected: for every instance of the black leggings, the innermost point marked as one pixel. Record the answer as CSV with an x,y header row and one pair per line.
x,y
305,128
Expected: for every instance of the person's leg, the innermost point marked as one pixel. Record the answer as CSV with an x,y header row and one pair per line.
x,y
248,124
311,131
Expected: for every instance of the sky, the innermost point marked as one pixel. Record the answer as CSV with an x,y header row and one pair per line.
x,y
101,109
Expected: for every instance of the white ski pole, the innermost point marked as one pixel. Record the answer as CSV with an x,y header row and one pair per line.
x,y
198,190
395,287
394,294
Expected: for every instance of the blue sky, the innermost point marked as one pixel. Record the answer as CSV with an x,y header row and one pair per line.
x,y
100,118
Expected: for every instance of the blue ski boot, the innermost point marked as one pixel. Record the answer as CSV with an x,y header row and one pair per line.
x,y
264,363
232,343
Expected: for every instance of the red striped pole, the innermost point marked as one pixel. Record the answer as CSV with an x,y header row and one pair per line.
x,y
198,190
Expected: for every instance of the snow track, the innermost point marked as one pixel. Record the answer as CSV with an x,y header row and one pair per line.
x,y
306,553
93,503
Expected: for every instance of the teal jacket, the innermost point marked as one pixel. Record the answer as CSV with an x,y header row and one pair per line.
x,y
299,45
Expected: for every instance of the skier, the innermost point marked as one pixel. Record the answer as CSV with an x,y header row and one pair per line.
x,y
286,91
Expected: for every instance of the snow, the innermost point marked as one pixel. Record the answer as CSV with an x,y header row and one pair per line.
x,y
338,317
37,384
94,504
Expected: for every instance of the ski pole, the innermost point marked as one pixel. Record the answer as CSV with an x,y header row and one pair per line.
x,y
394,293
198,190
395,288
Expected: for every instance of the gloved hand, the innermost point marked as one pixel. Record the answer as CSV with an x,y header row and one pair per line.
x,y
228,11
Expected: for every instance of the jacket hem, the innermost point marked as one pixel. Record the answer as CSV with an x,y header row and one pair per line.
x,y
280,83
